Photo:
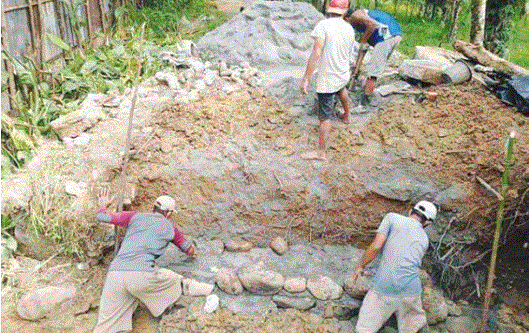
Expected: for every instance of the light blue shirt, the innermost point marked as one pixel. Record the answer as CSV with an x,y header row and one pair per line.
x,y
406,243
147,237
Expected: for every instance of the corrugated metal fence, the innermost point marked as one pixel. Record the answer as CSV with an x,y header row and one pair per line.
x,y
26,25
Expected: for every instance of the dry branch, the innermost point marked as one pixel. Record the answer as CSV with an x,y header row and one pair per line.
x,y
488,187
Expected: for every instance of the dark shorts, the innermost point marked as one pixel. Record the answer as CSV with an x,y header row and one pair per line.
x,y
326,103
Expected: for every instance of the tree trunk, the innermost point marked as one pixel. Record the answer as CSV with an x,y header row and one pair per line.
x,y
477,24
480,55
454,13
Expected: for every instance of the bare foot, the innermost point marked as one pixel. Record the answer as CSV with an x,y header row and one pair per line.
x,y
340,112
346,119
313,155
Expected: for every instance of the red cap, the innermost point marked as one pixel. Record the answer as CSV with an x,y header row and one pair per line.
x,y
338,7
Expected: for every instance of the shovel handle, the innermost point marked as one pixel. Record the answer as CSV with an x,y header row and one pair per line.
x,y
356,71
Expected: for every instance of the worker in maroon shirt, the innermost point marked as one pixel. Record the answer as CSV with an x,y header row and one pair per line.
x,y
132,275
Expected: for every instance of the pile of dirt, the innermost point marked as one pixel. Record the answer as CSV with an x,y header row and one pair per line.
x,y
457,137
265,33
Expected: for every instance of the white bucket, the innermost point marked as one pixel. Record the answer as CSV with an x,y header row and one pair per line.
x,y
459,72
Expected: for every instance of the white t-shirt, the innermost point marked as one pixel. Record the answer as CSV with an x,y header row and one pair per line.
x,y
339,52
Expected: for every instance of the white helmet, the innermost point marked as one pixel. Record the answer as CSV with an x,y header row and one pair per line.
x,y
165,203
426,208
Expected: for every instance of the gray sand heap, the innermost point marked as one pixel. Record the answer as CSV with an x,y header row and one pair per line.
x,y
265,33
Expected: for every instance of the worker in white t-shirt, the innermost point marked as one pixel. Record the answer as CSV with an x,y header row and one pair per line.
x,y
333,52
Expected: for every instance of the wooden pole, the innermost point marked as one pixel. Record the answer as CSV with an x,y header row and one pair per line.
x,y
33,25
499,220
60,21
102,17
88,21
126,149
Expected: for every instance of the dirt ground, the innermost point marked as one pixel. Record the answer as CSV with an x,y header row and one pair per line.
x,y
456,137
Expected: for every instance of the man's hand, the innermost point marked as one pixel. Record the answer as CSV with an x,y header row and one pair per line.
x,y
192,251
356,274
104,199
303,85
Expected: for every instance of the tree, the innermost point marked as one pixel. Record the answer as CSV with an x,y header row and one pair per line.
x,y
500,14
451,16
477,24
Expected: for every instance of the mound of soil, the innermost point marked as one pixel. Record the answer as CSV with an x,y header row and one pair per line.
x,y
459,136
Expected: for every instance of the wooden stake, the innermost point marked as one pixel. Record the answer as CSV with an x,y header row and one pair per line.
x,y
126,149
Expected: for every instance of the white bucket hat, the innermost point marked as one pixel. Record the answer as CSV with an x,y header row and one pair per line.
x,y
165,203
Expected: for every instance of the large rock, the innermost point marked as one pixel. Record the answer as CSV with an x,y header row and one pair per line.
x,y
461,324
76,122
439,55
16,192
228,281
279,245
295,284
260,282
324,288
36,304
299,303
238,245
423,70
359,289
434,304
192,287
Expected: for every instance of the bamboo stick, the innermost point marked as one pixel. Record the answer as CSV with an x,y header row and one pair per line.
x,y
499,220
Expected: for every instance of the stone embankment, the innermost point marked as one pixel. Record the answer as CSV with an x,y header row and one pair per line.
x,y
237,277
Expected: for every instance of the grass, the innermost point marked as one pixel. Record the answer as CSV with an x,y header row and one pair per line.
x,y
171,20
519,43
50,209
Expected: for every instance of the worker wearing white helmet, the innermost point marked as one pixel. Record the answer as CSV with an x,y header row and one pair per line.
x,y
133,275
396,286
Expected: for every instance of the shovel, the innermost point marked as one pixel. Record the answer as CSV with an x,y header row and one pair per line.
x,y
356,71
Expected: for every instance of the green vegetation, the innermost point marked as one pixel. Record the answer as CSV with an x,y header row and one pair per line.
x,y
420,29
130,48
518,50
171,20
113,66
